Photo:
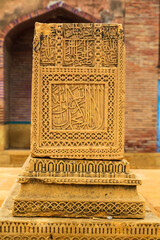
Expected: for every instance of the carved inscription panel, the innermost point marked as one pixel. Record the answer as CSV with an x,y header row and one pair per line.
x,y
78,91
77,106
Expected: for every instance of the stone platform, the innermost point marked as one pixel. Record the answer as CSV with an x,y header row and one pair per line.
x,y
24,228
78,188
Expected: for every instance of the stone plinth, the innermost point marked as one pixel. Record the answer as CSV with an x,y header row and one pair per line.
x,y
78,188
24,228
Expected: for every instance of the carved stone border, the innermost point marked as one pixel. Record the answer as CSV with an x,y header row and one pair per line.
x,y
81,180
76,209
79,229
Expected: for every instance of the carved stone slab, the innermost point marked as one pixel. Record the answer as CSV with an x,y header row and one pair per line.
x,y
78,91
36,228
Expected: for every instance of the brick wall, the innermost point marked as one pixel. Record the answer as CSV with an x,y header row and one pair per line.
x,y
20,76
7,66
141,34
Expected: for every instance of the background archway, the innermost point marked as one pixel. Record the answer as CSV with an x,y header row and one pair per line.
x,y
18,70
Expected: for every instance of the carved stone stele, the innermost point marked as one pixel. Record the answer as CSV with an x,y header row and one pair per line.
x,y
76,168
78,91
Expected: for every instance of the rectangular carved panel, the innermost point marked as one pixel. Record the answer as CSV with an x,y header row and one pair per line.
x,y
78,91
77,106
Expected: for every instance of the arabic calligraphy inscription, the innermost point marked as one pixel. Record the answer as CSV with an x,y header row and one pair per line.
x,y
78,106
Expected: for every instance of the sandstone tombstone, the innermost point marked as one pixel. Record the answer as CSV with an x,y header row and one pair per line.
x,y
76,171
78,91
78,122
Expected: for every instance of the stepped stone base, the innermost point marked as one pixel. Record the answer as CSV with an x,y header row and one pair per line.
x,y
78,188
24,228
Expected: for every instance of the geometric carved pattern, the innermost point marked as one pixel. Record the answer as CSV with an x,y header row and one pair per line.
x,y
78,230
74,238
44,237
58,171
79,180
77,107
78,91
52,166
78,207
